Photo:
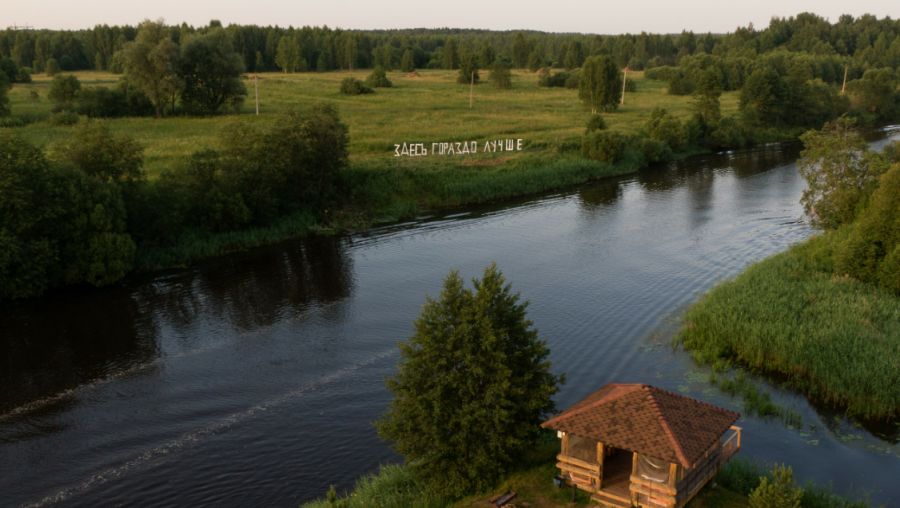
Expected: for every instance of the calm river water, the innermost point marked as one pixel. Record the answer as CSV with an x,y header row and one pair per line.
x,y
252,379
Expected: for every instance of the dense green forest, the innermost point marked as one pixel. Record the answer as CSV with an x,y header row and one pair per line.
x,y
863,43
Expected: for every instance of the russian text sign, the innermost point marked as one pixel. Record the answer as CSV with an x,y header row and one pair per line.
x,y
457,148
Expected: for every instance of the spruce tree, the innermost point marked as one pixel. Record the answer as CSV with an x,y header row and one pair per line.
x,y
500,75
472,386
408,62
450,57
486,57
535,62
763,98
521,50
706,98
468,64
571,60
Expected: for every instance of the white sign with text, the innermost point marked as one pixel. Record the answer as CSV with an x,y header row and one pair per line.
x,y
457,148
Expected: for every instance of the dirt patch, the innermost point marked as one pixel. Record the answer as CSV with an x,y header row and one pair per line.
x,y
413,74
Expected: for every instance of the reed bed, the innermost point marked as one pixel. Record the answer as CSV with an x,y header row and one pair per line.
x,y
835,338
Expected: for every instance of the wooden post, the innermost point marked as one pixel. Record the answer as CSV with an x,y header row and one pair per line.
x,y
623,85
471,89
256,89
845,78
601,452
565,444
634,466
673,475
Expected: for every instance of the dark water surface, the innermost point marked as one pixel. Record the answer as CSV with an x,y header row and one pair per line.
x,y
250,380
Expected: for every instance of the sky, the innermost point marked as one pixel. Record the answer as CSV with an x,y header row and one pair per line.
x,y
585,16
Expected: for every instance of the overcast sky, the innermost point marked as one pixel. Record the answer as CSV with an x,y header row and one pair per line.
x,y
587,16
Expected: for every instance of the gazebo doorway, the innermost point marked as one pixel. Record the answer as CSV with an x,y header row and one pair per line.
x,y
617,466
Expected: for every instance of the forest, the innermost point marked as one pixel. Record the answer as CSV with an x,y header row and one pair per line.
x,y
864,42
88,198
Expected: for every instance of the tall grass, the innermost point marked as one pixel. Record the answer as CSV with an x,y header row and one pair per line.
x,y
393,486
836,338
743,476
193,246
755,399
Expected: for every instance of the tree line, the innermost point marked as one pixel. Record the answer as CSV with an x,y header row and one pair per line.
x,y
871,41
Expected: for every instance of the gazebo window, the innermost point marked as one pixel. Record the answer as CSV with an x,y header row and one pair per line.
x,y
582,448
655,470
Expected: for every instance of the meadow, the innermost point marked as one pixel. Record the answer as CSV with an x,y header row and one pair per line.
x,y
425,109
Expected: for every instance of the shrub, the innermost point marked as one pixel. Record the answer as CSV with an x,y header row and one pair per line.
x,y
101,102
728,134
630,86
34,96
635,64
64,89
378,79
8,66
64,118
556,80
24,75
353,86
52,67
655,150
778,492
12,121
603,146
96,152
595,123
664,127
500,75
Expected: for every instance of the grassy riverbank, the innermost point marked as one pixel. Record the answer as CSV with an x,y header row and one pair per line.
x,y
835,338
376,186
394,487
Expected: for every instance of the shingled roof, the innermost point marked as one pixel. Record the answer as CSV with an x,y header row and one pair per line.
x,y
647,420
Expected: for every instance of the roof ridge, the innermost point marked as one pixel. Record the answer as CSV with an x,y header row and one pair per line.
x,y
679,452
694,400
612,395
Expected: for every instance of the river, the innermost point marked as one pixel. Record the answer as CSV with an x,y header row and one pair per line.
x,y
252,379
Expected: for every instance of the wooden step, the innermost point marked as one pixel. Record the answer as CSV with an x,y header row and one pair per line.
x,y
610,500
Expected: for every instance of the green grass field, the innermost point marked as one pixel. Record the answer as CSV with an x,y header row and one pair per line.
x,y
426,109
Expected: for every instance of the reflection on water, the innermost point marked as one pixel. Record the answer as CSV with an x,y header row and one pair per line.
x,y
252,379
253,291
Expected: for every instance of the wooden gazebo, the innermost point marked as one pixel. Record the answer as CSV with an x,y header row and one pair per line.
x,y
633,444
